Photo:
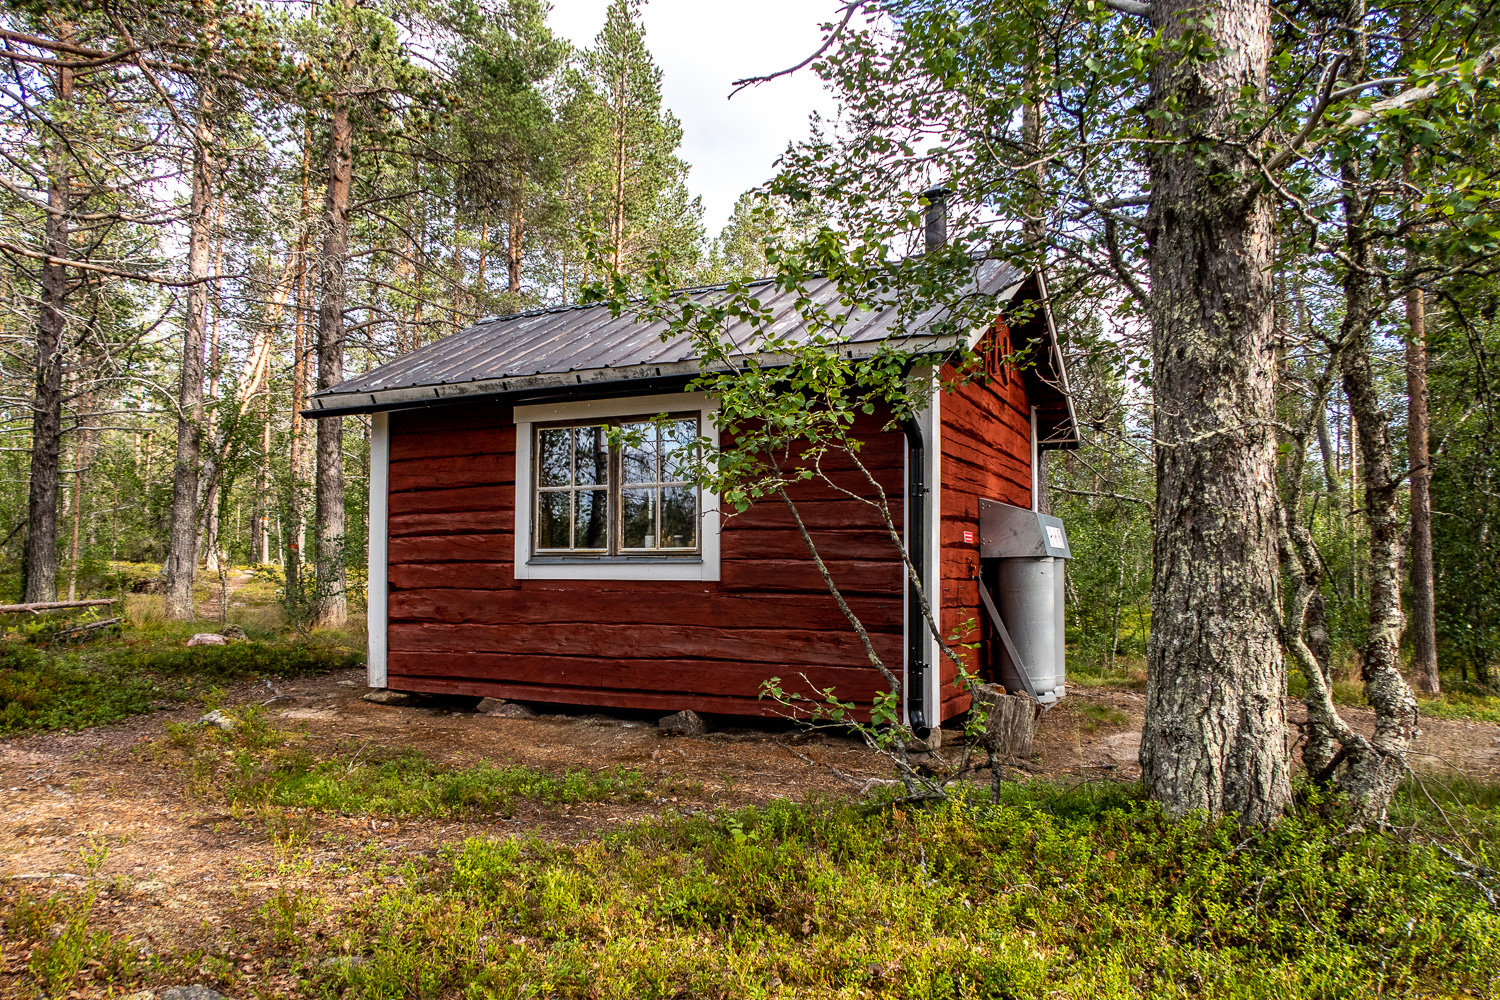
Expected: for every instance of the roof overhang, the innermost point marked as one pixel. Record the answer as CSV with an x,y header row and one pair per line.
x,y
1046,377
328,404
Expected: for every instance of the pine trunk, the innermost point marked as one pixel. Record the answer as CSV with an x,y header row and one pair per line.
x,y
1376,767
515,245
182,537
46,398
1215,730
1424,662
332,604
298,467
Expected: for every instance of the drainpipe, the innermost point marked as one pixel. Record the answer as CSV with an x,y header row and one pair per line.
x,y
916,546
935,235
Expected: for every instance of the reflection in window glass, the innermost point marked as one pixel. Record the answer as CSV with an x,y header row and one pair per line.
x,y
554,520
591,520
676,449
638,519
593,456
638,453
679,518
556,457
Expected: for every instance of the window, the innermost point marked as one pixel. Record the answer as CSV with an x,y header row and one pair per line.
x,y
587,511
631,499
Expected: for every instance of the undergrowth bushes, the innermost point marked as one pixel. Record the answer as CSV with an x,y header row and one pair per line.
x,y
257,765
50,690
1081,893
1084,892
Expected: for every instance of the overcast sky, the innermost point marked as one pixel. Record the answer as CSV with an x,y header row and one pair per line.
x,y
701,45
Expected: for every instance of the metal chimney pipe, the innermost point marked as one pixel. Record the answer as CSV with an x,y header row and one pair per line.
x,y
935,218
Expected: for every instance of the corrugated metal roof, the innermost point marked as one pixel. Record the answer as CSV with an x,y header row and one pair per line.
x,y
526,347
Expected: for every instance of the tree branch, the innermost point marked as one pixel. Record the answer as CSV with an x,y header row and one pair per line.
x,y
751,81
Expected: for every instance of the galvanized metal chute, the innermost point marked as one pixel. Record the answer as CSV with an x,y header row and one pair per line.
x,y
1025,554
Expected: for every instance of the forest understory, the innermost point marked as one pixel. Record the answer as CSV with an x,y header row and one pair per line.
x,y
329,846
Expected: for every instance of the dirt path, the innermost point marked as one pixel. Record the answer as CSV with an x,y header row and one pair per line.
x,y
213,608
175,871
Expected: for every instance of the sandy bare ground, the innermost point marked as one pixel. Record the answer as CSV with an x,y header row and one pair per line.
x,y
180,873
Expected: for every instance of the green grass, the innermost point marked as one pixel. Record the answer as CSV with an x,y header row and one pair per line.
x,y
1095,715
1051,893
41,689
1082,892
257,766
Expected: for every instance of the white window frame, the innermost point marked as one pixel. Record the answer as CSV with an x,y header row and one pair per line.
x,y
701,566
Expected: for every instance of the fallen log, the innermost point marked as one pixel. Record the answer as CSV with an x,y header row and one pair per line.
x,y
8,609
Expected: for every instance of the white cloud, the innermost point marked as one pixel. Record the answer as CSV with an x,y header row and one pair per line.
x,y
703,45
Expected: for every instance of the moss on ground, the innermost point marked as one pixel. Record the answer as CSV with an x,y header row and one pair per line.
x,y
1050,892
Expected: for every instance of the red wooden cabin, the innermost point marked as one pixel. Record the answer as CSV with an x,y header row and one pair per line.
x,y
514,554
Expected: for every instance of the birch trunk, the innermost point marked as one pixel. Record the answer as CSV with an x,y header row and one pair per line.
x,y
1215,730
182,536
332,605
46,397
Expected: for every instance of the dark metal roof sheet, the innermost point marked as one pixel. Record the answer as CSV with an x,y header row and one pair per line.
x,y
576,339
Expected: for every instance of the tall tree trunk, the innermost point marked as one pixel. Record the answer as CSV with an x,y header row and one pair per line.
x,y
1376,767
212,530
1215,730
298,468
46,399
182,538
78,442
332,604
515,244
1424,662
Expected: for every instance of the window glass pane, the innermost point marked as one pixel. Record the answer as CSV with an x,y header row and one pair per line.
x,y
592,457
592,520
638,519
638,462
679,517
553,520
554,457
676,450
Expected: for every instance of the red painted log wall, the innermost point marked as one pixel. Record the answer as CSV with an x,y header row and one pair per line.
x,y
986,455
461,623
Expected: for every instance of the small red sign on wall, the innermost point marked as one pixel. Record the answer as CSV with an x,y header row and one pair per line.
x,y
968,538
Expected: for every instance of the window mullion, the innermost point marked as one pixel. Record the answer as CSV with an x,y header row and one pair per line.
x,y
613,500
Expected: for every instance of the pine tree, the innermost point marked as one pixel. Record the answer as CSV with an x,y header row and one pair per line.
x,y
639,184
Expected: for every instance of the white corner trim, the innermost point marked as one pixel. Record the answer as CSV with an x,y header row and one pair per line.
x,y
1035,485
706,568
932,429
377,617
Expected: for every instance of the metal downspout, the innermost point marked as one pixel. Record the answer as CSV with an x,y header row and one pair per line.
x,y
916,545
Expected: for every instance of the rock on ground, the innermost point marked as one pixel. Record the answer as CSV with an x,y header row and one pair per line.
x,y
512,710
685,723
218,719
191,993
233,632
207,639
385,696
488,705
1123,748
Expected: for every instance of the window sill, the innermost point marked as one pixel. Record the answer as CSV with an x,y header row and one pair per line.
x,y
617,568
689,560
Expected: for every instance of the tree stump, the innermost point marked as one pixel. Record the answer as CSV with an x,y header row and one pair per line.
x,y
1009,723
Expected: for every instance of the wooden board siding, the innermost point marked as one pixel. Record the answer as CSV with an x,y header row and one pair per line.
x,y
459,621
986,454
